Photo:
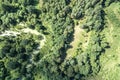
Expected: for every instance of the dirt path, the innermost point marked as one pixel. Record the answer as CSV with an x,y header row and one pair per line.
x,y
25,30
28,30
9,33
75,42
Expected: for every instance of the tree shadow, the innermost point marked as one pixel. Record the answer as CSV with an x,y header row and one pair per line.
x,y
67,45
34,2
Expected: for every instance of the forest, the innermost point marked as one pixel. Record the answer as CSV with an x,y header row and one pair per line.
x,y
59,40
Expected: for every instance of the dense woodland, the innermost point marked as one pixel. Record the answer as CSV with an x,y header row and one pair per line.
x,y
22,59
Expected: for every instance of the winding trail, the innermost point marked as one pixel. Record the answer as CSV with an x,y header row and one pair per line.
x,y
10,33
25,30
28,30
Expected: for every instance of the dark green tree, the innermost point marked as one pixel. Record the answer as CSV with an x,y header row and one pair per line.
x,y
12,64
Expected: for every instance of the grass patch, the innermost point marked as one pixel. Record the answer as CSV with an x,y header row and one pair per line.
x,y
110,60
80,40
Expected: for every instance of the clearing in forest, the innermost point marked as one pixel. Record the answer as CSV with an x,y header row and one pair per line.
x,y
76,40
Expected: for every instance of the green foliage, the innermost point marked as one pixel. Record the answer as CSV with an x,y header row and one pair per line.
x,y
12,65
9,8
21,56
17,53
77,11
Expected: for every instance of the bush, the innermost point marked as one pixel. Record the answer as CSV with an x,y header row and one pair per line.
x,y
12,65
